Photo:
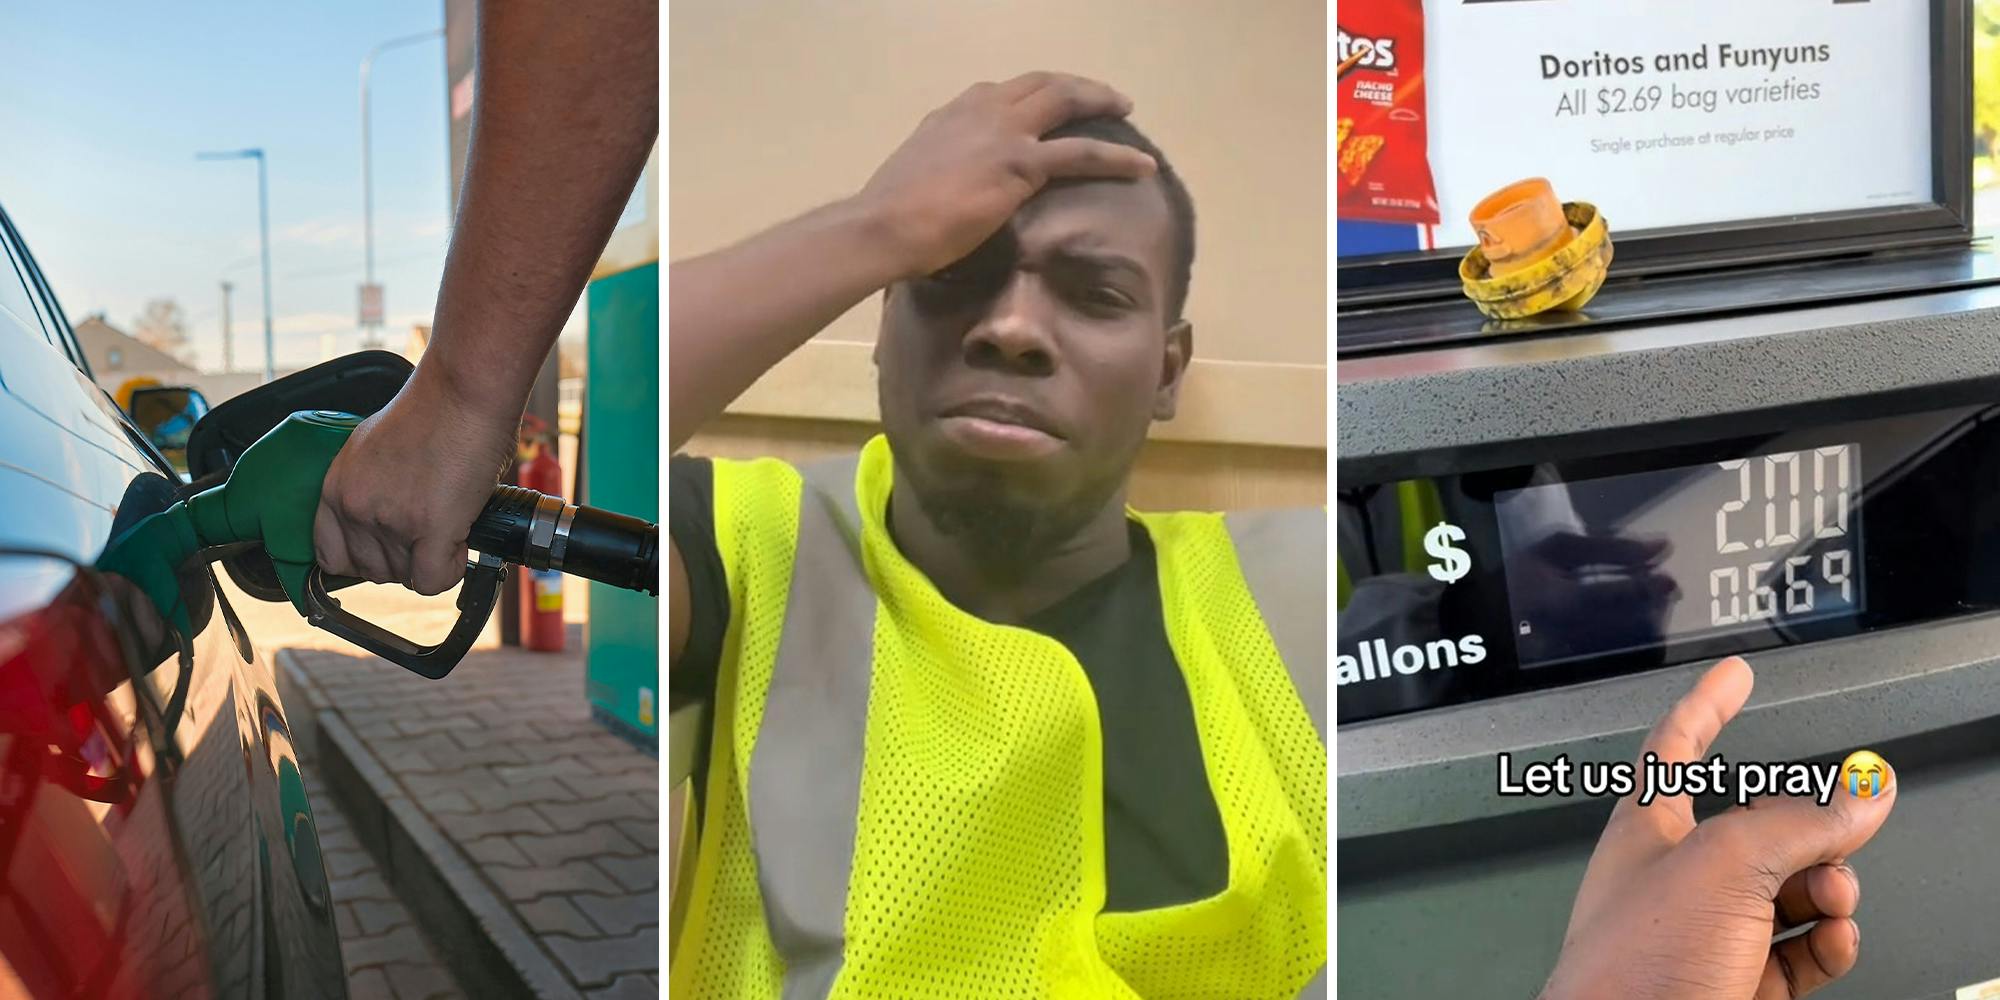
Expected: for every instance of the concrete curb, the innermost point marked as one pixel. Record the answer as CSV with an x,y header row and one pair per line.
x,y
489,951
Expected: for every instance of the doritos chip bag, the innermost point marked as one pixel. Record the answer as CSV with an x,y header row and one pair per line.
x,y
1384,157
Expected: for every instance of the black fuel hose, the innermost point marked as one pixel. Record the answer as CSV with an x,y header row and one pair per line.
x,y
532,529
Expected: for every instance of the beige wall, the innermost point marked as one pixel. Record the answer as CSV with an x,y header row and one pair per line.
x,y
781,105
636,241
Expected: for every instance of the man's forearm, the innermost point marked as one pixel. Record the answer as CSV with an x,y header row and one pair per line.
x,y
566,109
735,313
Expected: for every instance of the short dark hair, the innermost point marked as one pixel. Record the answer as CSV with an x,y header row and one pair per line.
x,y
1180,206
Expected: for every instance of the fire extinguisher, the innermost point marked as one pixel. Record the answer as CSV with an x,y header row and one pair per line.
x,y
541,593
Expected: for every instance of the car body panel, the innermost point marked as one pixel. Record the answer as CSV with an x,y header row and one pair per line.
x,y
202,875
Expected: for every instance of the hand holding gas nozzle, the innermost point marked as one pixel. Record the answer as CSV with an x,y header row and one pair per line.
x,y
272,499
514,525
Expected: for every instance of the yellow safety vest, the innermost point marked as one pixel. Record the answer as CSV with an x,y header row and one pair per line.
x,y
903,800
1418,506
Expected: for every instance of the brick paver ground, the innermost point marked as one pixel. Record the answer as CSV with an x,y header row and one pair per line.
x,y
386,953
559,817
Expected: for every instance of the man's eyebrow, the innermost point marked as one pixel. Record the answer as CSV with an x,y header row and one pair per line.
x,y
1103,260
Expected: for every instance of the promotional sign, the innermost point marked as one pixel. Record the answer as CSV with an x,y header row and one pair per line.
x,y
459,17
371,305
1663,115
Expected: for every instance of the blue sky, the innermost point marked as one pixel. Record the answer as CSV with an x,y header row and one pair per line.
x,y
103,112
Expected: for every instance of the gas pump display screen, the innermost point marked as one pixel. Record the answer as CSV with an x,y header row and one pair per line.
x,y
1743,545
1492,582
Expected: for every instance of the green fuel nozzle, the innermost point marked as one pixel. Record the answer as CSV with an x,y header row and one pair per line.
x,y
272,497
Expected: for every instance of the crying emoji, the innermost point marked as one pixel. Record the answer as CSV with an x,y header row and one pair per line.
x,y
1865,774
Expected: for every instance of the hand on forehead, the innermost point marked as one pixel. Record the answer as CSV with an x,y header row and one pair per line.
x,y
1114,225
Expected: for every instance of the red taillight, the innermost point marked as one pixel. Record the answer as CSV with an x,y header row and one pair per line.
x,y
86,845
64,660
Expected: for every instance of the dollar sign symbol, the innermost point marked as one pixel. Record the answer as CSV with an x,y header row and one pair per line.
x,y
1437,542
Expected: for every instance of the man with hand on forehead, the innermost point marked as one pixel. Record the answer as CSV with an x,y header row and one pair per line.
x,y
974,727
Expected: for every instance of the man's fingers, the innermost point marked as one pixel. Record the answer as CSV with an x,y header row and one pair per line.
x,y
1616,598
1077,157
1816,893
364,552
399,558
1571,551
1788,835
1800,965
1021,86
329,545
1046,100
438,567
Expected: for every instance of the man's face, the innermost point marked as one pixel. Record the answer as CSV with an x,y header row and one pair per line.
x,y
1022,381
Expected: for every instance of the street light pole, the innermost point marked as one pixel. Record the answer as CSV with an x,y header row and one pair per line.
x,y
263,239
228,353
373,330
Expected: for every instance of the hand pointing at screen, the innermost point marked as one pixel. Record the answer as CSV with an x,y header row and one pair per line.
x,y
1672,909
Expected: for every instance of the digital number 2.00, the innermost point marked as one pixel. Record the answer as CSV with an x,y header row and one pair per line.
x,y
1727,586
1832,481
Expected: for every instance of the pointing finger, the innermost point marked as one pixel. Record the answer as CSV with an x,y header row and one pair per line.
x,y
1684,735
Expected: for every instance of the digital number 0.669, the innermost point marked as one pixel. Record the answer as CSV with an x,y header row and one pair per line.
x,y
1727,585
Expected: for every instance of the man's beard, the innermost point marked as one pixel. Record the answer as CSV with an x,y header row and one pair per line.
x,y
1008,535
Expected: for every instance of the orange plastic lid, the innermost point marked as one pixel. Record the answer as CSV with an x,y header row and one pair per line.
x,y
1519,225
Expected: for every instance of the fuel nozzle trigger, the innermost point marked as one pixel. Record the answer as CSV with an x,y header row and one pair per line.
x,y
476,597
